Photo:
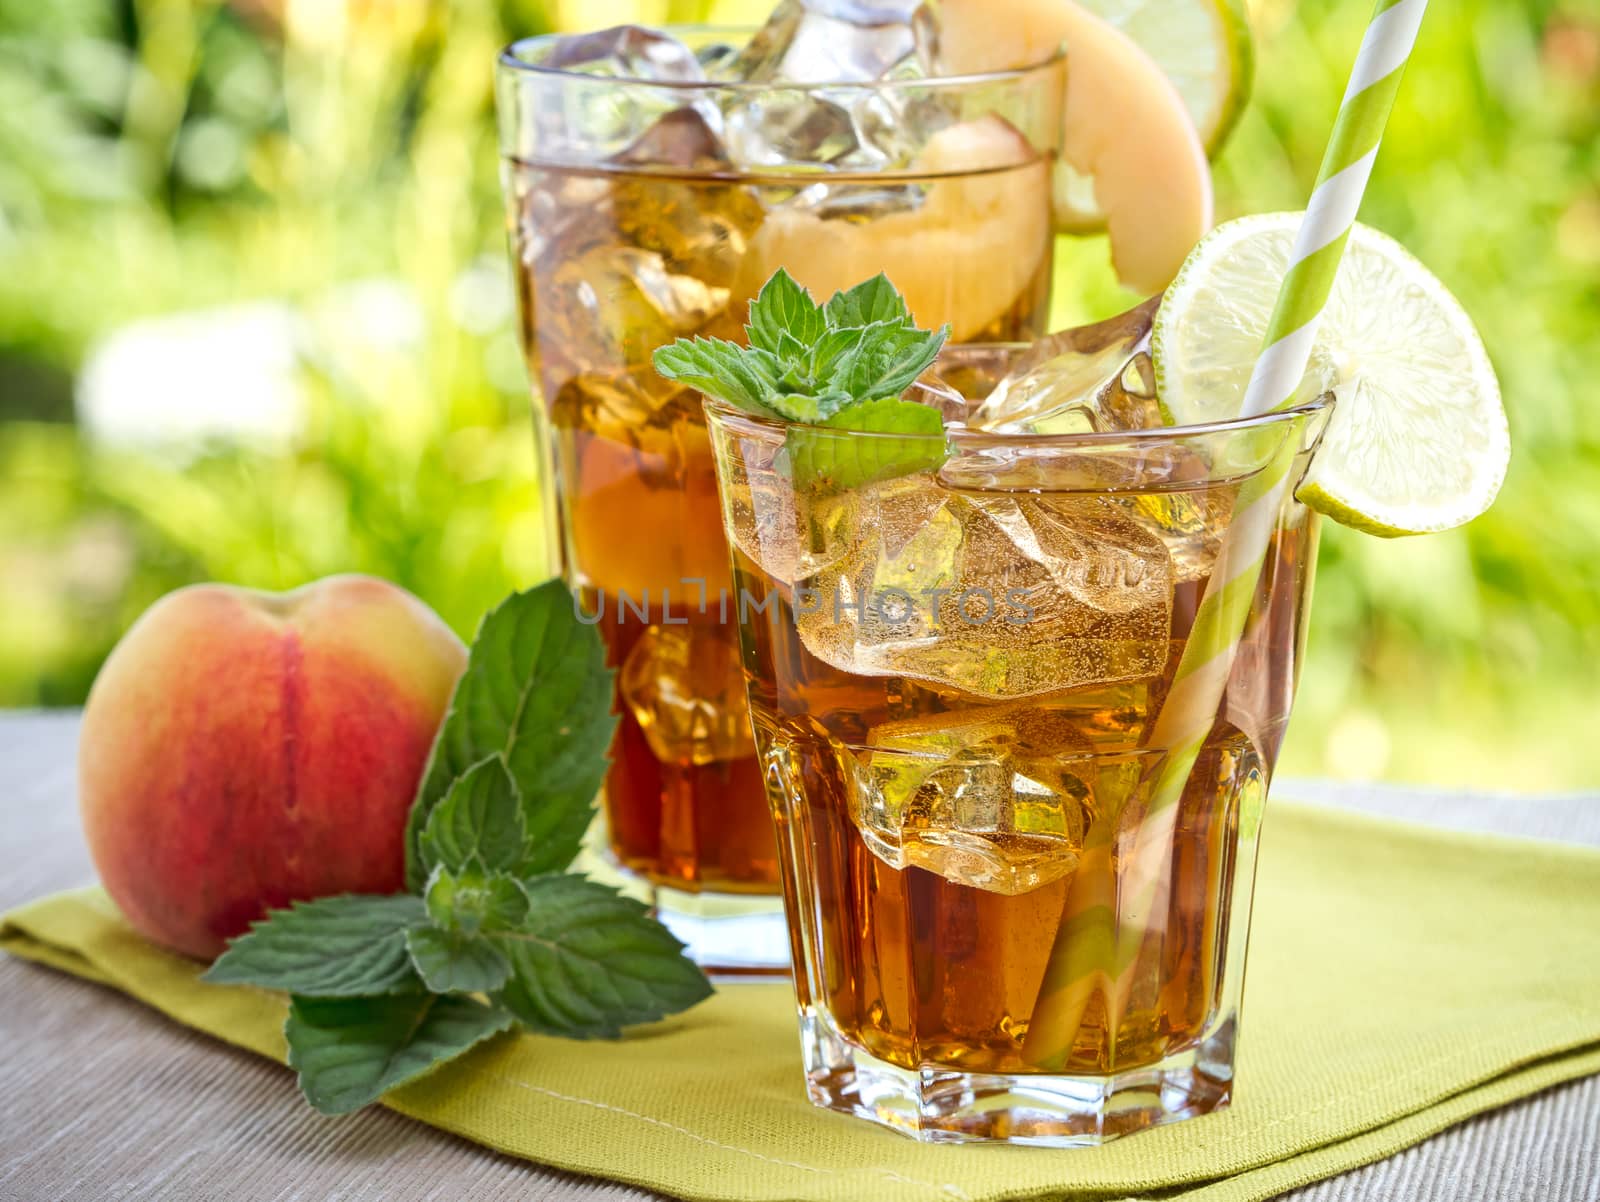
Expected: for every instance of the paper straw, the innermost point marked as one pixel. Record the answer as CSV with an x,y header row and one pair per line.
x,y
1346,164
1108,912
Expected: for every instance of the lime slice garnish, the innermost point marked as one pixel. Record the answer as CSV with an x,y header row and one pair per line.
x,y
1417,440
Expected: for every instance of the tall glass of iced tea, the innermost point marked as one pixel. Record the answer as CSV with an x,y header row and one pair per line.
x,y
654,182
957,679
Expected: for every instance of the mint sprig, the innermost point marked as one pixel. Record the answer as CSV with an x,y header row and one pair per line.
x,y
495,934
537,694
345,946
351,1051
829,370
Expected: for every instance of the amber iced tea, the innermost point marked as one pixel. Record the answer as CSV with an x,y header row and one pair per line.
x,y
654,234
954,682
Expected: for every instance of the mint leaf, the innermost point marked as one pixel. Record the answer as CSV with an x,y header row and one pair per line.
x,y
783,313
794,355
870,301
351,1051
536,692
830,456
479,821
888,358
725,370
346,946
830,348
587,962
472,900
453,962
839,367
798,407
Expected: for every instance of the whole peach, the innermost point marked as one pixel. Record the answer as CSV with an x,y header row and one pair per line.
x,y
244,749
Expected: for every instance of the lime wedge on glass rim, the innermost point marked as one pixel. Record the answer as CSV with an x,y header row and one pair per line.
x,y
1417,440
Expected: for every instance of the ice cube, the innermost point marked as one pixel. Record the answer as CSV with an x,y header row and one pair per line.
x,y
575,121
1129,402
682,137
1003,595
702,228
616,304
626,52
1191,521
630,406
836,42
789,126
842,41
1094,377
934,390
996,798
788,535
717,60
685,687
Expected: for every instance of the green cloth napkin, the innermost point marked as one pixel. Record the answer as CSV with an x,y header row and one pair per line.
x,y
1400,980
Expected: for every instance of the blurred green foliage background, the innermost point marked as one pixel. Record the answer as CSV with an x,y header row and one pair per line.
x,y
337,158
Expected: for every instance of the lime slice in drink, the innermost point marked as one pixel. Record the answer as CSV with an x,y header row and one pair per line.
x,y
1417,440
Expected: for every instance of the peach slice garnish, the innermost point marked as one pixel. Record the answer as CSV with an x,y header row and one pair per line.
x,y
1125,126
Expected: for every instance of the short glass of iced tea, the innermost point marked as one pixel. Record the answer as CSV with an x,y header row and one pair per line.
x,y
1008,922
654,181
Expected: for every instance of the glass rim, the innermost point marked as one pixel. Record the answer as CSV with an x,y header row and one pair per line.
x,y
513,66
961,437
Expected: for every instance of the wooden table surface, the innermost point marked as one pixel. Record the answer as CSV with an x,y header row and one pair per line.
x,y
101,1097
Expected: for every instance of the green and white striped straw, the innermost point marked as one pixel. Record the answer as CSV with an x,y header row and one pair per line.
x,y
1319,243
1108,909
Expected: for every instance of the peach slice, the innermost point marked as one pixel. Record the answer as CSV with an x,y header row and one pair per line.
x,y
1125,126
966,254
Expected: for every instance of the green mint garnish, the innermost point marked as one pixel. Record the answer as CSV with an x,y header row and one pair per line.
x,y
817,454
385,988
588,962
467,900
451,962
344,946
351,1051
479,819
828,369
537,694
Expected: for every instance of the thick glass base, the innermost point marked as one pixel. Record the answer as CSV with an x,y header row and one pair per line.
x,y
728,934
1052,1110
